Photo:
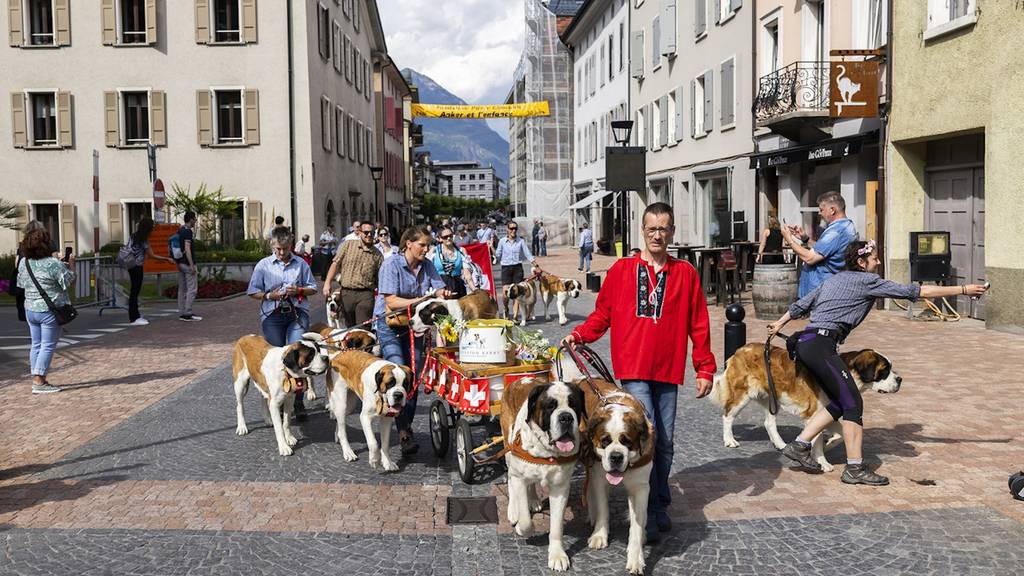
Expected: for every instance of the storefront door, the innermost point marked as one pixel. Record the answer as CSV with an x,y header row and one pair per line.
x,y
956,203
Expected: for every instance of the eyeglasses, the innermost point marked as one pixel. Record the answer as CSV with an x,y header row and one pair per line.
x,y
446,236
652,232
383,234
366,232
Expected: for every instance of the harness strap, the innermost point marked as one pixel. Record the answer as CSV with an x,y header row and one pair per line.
x,y
773,395
517,450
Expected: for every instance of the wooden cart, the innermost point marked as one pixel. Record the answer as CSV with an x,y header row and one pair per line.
x,y
468,397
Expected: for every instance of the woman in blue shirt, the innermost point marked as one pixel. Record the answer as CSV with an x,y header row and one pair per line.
x,y
452,264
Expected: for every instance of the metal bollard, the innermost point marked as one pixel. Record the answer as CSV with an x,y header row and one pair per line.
x,y
593,282
735,329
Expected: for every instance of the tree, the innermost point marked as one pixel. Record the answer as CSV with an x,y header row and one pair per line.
x,y
437,206
210,207
9,214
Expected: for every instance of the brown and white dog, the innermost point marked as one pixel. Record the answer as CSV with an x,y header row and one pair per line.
x,y
558,289
273,370
477,305
541,422
744,379
523,296
340,339
334,310
383,388
618,449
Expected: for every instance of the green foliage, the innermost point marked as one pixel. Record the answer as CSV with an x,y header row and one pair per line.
x,y
209,206
437,206
214,274
229,256
110,248
6,266
9,214
254,245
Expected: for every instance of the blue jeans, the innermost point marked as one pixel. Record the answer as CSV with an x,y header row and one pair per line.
x,y
45,332
585,252
283,329
659,400
394,347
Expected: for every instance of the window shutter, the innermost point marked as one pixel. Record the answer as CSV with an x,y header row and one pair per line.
x,y
115,228
655,42
664,121
65,128
335,48
254,218
709,100
157,118
252,116
249,21
694,121
204,117
107,19
701,17
728,106
69,227
150,21
325,123
636,55
718,11
735,5
679,114
62,18
21,220
19,126
110,119
668,26
202,21
339,135
14,18
649,129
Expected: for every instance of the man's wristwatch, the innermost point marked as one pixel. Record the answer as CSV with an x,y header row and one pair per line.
x,y
805,239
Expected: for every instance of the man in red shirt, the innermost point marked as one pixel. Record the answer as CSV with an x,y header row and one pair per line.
x,y
653,303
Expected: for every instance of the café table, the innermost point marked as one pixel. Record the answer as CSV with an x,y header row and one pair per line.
x,y
708,260
744,256
685,252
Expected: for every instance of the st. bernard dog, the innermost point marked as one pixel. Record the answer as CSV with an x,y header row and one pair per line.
x,y
523,297
334,310
744,379
340,339
273,370
383,388
558,289
618,449
477,305
541,422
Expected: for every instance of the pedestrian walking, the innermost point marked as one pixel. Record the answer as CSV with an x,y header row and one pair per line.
x,y
771,242
16,290
653,303
403,280
452,264
269,232
140,249
356,268
826,256
542,239
483,233
384,245
353,232
283,284
46,281
462,237
511,253
188,274
535,237
836,308
586,247
328,243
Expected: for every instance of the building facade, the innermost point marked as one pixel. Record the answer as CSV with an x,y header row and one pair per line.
x,y
469,180
598,39
394,97
273,103
958,172
691,64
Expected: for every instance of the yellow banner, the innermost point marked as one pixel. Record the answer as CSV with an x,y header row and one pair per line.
x,y
489,111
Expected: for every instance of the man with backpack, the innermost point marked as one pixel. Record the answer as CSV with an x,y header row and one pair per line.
x,y
180,245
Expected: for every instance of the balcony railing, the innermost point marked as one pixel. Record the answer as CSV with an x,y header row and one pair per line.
x,y
799,87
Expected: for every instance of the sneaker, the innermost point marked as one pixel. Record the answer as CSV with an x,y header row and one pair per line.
x,y
858,474
44,389
190,318
801,455
140,322
409,446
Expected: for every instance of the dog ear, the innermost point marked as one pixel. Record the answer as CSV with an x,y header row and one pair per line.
x,y
535,394
292,358
379,377
409,379
577,401
645,435
861,364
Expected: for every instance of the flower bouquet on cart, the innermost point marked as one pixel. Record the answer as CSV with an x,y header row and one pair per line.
x,y
530,346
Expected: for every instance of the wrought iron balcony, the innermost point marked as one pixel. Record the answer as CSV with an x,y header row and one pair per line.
x,y
801,87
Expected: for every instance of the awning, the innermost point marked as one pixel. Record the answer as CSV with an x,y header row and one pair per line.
x,y
590,199
821,151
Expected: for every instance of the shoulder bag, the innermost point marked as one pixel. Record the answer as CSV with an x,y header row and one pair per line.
x,y
64,313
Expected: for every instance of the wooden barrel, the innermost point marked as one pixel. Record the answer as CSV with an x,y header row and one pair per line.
x,y
775,288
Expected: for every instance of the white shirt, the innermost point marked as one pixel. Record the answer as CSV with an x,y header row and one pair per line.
x,y
351,236
300,247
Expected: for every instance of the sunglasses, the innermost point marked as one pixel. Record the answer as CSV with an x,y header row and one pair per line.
x,y
513,228
366,232
382,234
446,236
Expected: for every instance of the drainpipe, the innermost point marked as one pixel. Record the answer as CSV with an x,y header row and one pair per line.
x,y
883,136
291,123
753,120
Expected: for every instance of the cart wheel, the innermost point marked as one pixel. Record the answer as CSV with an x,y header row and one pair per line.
x,y
463,449
440,426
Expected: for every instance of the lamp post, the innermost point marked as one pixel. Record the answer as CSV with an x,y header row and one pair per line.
x,y
622,130
377,173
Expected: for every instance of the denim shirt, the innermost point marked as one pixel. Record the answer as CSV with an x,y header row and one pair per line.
x,y
397,279
510,252
53,276
270,274
832,247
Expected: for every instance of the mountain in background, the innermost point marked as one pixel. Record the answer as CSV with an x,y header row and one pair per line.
x,y
455,140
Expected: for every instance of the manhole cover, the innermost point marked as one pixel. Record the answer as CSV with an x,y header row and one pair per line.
x,y
472,510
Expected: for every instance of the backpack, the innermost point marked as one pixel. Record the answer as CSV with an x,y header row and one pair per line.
x,y
1017,485
174,249
126,256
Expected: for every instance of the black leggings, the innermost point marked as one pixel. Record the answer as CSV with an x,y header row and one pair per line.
x,y
135,274
821,356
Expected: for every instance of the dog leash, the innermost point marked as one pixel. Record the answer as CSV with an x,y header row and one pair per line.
x,y
773,395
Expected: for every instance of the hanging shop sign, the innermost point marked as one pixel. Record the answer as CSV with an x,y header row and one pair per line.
x,y
853,89
488,111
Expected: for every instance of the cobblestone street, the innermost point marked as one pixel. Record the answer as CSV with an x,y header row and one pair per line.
x,y
135,469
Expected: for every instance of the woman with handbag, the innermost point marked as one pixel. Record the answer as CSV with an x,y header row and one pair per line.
x,y
47,305
138,247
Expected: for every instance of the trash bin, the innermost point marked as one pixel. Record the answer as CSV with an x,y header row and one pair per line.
x,y
618,249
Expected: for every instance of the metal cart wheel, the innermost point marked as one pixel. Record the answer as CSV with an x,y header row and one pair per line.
x,y
464,449
440,428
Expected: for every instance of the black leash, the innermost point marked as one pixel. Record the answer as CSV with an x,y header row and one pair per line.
x,y
773,395
582,354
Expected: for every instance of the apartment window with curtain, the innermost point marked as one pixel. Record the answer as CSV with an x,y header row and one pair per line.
x,y
44,118
323,27
611,59
135,118
945,16
40,22
229,116
133,21
227,20
622,46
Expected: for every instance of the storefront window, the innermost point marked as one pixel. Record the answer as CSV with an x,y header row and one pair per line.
x,y
817,180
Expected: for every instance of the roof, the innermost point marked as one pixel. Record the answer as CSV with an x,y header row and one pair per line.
x,y
565,7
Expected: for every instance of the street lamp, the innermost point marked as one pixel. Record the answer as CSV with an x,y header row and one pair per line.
x,y
622,129
377,172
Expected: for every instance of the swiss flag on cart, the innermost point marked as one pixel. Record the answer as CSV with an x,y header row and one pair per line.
x,y
475,396
481,256
454,387
428,376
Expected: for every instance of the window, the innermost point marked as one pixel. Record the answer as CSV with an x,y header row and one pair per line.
x,y
325,123
133,21
40,22
355,14
339,131
135,118
49,216
656,128
357,70
697,105
611,60
350,127
232,223
770,47
44,119
362,146
227,21
947,15
336,45
869,23
636,54
670,124
622,48
323,28
346,7
726,10
348,59
472,176
228,104
640,128
462,176
700,21
602,65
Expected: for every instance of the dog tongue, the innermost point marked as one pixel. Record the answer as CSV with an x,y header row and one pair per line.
x,y
391,412
565,445
613,478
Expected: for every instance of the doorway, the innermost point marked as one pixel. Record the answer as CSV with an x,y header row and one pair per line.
x,y
956,203
49,216
136,211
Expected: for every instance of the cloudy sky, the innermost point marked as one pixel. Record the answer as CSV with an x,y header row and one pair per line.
x,y
471,47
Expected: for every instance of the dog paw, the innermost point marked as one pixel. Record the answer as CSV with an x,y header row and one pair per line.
x,y
349,455
598,541
374,460
242,430
732,443
284,450
635,563
778,446
524,528
310,394
825,466
563,322
558,560
389,466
